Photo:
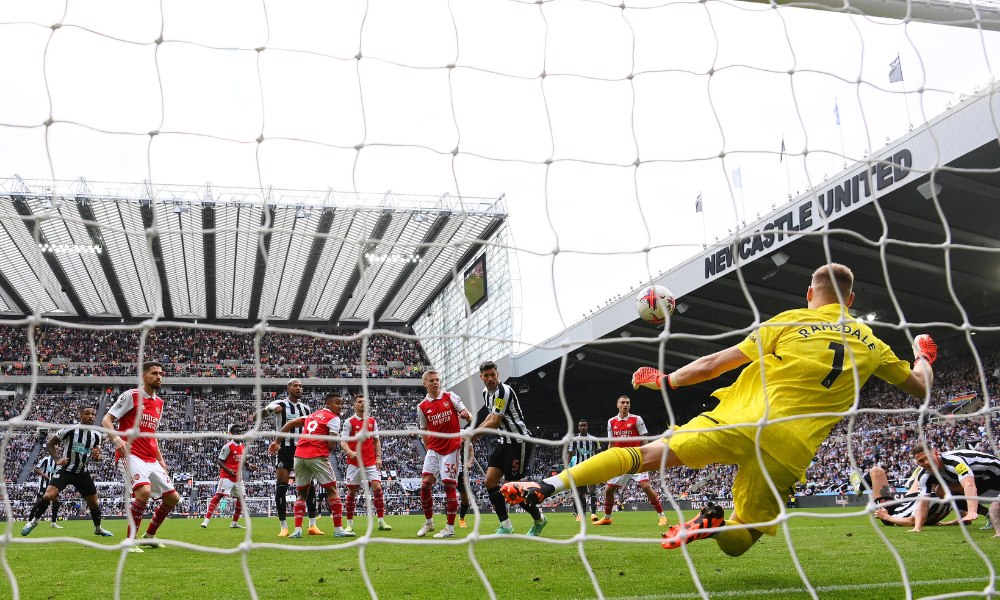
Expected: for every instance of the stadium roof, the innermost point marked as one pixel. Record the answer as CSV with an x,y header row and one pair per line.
x,y
86,250
925,257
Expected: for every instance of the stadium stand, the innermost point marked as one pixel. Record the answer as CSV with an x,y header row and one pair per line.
x,y
880,433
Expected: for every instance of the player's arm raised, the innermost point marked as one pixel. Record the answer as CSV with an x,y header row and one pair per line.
x,y
703,369
922,374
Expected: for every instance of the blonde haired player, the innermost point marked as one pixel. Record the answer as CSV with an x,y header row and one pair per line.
x,y
439,412
802,362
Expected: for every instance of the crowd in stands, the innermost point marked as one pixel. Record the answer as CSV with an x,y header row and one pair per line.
x,y
191,352
880,432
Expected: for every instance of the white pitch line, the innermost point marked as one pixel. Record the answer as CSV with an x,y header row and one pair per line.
x,y
802,590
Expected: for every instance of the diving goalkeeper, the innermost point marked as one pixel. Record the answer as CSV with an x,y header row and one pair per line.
x,y
806,368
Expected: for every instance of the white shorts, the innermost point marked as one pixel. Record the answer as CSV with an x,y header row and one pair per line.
x,y
228,487
353,471
137,472
443,466
309,469
622,480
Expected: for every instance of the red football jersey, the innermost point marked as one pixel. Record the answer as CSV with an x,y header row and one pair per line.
x,y
621,429
126,409
352,429
321,422
441,415
231,454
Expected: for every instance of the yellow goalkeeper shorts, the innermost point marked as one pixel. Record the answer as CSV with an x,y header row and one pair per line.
x,y
754,499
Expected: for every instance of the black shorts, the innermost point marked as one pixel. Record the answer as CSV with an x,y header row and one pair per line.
x,y
83,482
514,459
286,458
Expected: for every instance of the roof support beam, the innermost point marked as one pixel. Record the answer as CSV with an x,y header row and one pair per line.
x,y
22,209
325,223
959,236
909,263
263,250
161,270
468,256
352,283
873,288
208,242
404,275
14,296
990,192
104,257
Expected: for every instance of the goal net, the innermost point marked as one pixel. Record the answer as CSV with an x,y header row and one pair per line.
x,y
550,159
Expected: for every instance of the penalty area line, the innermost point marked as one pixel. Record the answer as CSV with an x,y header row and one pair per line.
x,y
802,590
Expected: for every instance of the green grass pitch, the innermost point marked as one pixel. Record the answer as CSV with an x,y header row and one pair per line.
x,y
842,557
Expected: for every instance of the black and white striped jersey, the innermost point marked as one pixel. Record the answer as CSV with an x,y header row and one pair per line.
x,y
936,510
46,465
503,401
289,412
583,447
959,464
78,443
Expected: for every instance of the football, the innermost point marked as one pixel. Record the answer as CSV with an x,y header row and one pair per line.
x,y
654,304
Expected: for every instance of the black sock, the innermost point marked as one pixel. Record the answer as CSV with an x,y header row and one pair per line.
x,y
95,516
532,510
496,499
463,508
311,502
38,509
55,511
280,493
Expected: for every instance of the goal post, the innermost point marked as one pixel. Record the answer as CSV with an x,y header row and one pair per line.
x,y
974,15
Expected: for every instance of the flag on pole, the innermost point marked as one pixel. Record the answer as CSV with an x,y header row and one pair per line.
x,y
895,71
836,111
781,155
737,178
697,204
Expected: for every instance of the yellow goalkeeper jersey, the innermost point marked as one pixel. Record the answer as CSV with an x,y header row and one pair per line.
x,y
808,361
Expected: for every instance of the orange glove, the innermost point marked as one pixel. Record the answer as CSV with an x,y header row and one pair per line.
x,y
924,348
649,377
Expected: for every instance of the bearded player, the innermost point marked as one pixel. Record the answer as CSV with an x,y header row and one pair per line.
x,y
139,459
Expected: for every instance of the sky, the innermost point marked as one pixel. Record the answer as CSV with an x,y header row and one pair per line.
x,y
600,126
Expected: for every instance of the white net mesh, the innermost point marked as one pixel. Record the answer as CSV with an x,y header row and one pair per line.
x,y
626,138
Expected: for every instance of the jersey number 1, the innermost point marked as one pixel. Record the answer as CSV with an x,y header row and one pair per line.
x,y
838,365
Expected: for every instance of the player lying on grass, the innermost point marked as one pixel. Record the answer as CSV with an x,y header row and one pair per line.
x,y
901,512
805,369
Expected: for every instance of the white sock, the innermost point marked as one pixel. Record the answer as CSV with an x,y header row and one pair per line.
x,y
312,521
284,524
506,523
556,483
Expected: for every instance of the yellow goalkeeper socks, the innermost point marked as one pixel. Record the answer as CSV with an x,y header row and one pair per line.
x,y
734,541
598,469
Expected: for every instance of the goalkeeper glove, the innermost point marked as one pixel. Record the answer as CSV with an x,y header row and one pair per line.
x,y
924,348
648,377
